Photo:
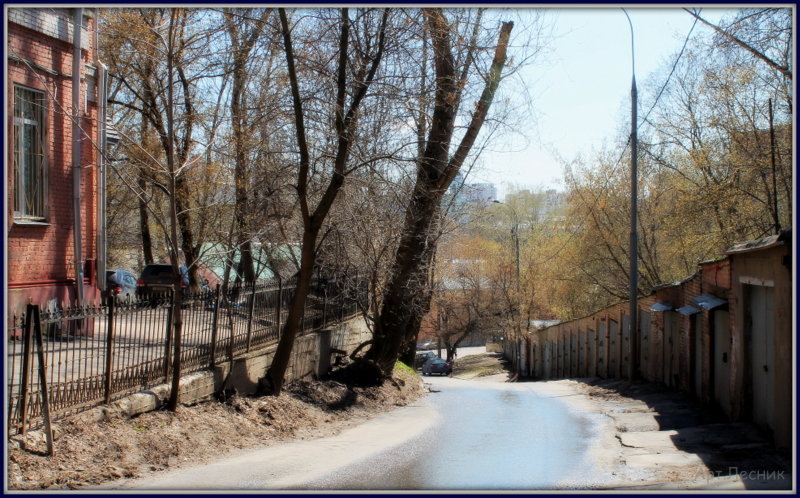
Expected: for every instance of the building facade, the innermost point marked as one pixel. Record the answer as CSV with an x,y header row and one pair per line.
x,y
53,165
472,193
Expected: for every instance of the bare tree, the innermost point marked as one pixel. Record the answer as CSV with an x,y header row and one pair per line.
x,y
244,28
745,22
165,56
407,296
345,123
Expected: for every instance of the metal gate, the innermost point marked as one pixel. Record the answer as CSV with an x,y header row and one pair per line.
x,y
670,347
760,323
722,365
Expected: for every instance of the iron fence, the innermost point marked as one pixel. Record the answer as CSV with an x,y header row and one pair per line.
x,y
94,354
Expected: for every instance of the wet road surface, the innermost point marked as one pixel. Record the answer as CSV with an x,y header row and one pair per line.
x,y
489,435
465,435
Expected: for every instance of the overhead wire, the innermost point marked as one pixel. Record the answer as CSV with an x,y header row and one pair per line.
x,y
618,162
672,71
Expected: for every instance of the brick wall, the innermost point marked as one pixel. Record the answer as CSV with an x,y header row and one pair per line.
x,y
702,346
41,257
52,22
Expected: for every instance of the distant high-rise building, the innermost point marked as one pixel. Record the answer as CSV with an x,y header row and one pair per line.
x,y
472,193
480,193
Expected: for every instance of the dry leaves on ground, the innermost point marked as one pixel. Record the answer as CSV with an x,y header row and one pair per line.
x,y
89,452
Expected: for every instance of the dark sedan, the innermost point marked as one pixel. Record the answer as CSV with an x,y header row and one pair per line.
x,y
437,365
422,357
157,278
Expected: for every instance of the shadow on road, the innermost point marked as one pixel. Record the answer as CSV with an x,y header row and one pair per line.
x,y
727,449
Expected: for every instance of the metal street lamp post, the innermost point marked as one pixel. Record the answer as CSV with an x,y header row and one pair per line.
x,y
634,257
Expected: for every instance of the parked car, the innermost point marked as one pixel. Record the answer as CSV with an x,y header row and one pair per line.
x,y
156,278
423,356
437,365
121,284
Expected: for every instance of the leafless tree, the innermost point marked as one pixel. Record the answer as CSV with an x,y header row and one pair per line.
x,y
345,122
407,296
159,56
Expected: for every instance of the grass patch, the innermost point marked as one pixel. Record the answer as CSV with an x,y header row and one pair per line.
x,y
403,367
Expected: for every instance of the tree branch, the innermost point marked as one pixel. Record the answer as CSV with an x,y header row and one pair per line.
x,y
302,176
784,70
482,108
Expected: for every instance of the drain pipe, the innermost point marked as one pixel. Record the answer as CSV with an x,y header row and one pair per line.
x,y
102,103
77,63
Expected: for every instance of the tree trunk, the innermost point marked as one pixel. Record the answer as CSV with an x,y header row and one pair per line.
x,y
407,296
144,223
280,362
174,222
408,293
241,48
408,352
187,236
345,125
241,175
177,333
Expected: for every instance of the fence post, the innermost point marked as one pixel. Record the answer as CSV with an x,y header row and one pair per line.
x,y
324,306
341,306
26,366
214,327
109,346
168,343
48,429
230,321
250,314
279,309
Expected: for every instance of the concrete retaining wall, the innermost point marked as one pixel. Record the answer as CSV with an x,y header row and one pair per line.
x,y
312,356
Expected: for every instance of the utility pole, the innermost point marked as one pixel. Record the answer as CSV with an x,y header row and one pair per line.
x,y
633,331
77,65
515,235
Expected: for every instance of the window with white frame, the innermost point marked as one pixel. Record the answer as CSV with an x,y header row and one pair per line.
x,y
30,159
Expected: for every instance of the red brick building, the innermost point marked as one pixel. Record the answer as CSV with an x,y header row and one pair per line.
x,y
44,258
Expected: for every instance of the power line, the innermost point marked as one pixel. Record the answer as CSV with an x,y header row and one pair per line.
x,y
613,170
672,71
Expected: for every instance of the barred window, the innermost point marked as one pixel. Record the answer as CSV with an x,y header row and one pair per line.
x,y
30,160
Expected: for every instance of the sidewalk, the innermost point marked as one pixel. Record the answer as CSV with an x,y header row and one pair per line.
x,y
665,441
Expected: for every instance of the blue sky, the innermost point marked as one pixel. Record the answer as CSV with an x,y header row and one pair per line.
x,y
581,87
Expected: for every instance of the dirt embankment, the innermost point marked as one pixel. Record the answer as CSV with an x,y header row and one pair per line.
x,y
484,366
88,451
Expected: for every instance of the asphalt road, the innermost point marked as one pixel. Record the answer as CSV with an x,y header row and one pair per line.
x,y
465,435
488,436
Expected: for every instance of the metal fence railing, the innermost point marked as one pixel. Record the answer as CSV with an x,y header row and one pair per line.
x,y
94,354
